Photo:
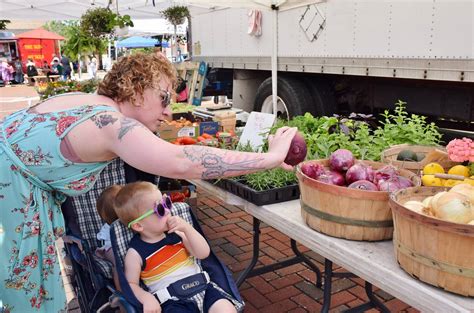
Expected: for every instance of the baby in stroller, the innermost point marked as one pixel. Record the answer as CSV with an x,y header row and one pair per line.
x,y
164,255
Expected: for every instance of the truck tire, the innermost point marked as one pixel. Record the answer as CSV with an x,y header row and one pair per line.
x,y
293,97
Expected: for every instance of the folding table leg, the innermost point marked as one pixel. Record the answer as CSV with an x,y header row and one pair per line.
x,y
373,302
251,271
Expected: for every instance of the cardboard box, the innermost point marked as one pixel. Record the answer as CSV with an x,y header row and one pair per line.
x,y
171,132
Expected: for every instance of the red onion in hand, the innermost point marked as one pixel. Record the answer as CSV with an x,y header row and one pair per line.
x,y
297,151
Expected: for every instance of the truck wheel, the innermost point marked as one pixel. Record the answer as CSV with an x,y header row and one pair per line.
x,y
293,97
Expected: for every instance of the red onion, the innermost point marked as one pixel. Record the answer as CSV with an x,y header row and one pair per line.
x,y
297,151
391,185
341,160
359,171
404,182
364,185
332,178
385,173
312,170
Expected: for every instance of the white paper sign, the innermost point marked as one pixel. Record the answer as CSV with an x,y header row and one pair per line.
x,y
257,128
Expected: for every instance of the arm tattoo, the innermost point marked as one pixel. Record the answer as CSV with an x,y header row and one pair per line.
x,y
103,120
127,124
216,166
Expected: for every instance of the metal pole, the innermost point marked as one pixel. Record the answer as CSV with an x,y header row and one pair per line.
x,y
274,59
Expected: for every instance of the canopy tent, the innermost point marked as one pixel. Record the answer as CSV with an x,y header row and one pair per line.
x,y
137,42
39,44
40,33
73,9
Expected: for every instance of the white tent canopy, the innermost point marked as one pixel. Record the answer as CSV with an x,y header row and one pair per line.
x,y
73,9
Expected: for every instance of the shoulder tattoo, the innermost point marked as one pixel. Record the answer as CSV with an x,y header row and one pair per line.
x,y
102,120
126,125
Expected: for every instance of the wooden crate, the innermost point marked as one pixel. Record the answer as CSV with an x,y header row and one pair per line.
x,y
345,212
389,156
438,252
194,73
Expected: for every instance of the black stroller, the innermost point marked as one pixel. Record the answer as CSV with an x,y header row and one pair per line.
x,y
91,276
218,272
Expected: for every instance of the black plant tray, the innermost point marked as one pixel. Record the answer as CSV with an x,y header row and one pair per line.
x,y
264,197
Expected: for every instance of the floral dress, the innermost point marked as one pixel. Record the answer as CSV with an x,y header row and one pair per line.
x,y
34,180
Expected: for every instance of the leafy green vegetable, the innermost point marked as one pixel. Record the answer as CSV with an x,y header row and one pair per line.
x,y
471,168
325,135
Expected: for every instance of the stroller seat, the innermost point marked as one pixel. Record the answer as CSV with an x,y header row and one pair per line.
x,y
92,275
218,272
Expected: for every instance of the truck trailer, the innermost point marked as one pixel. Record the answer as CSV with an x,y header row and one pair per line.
x,y
342,56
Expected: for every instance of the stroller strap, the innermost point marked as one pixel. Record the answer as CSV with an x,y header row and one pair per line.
x,y
184,288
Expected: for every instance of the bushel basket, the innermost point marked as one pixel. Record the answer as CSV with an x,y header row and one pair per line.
x,y
438,252
389,156
346,212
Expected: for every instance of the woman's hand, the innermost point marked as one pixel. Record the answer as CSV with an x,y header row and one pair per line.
x,y
279,144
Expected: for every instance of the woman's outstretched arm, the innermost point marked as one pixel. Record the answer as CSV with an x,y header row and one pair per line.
x,y
140,148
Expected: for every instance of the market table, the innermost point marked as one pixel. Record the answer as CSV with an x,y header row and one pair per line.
x,y
372,261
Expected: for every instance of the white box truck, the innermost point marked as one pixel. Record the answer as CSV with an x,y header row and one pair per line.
x,y
343,56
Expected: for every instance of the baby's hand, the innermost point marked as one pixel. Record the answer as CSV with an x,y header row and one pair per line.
x,y
177,224
151,305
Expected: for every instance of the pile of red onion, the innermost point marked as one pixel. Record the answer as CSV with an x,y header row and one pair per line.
x,y
345,171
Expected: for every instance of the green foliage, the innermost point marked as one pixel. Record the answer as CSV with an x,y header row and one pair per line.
x,y
46,90
325,135
269,179
3,24
176,14
78,42
100,22
471,168
400,127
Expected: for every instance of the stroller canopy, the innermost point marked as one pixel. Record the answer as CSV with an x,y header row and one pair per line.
x,y
137,42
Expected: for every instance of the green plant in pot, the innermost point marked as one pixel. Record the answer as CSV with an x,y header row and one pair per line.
x,y
176,15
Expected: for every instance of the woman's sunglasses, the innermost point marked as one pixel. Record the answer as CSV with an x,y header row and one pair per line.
x,y
160,209
165,98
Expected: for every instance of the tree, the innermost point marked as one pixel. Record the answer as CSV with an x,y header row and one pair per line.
x,y
100,24
3,24
78,43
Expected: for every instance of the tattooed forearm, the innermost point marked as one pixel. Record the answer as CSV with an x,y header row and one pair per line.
x,y
127,124
102,120
218,165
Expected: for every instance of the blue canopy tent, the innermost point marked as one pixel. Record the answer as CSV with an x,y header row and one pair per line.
x,y
138,42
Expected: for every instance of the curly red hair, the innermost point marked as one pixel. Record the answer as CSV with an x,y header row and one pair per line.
x,y
131,75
